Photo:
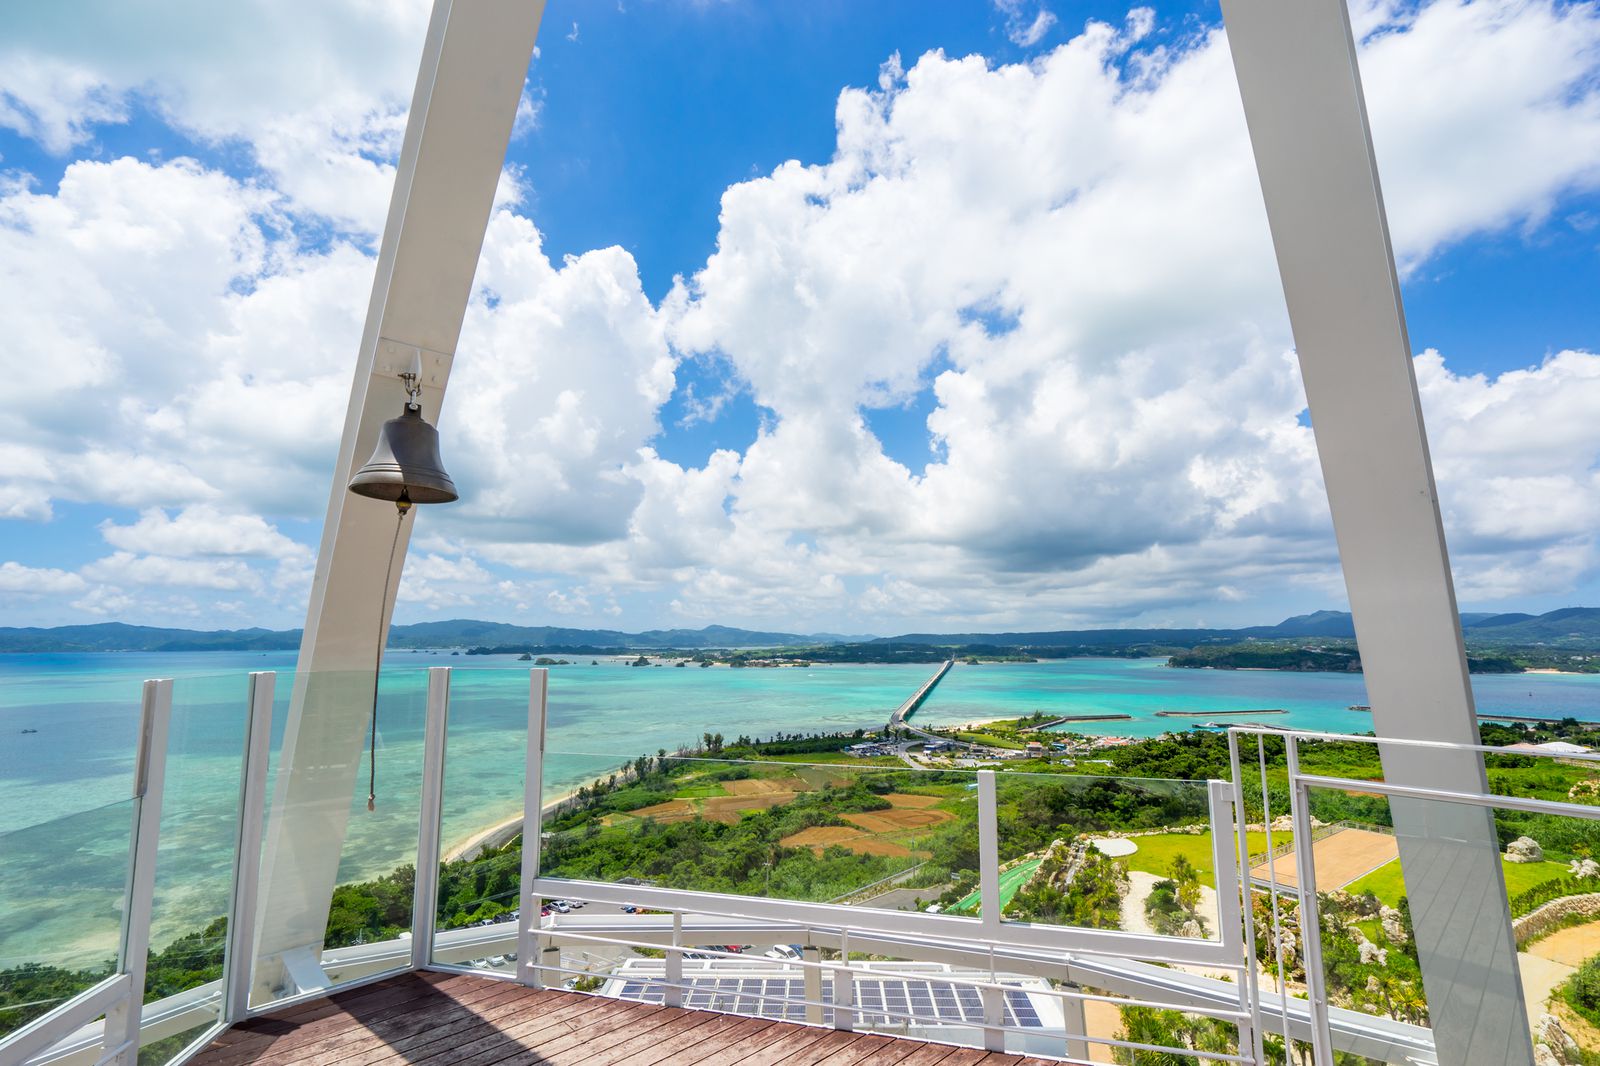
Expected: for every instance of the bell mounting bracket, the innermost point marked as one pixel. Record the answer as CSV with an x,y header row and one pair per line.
x,y
417,365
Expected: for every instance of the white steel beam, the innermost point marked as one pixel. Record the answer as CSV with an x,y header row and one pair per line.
x,y
1297,69
474,62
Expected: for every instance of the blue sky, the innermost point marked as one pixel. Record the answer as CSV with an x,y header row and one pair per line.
x,y
783,321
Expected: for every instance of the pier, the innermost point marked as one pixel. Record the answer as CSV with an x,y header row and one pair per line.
x,y
897,720
1218,714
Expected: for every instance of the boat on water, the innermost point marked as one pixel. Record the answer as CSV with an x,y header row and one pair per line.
x,y
1358,707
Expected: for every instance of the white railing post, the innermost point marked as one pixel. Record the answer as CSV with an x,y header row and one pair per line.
x,y
1076,1024
988,852
994,1016
239,954
1227,836
425,901
121,1042
844,995
1310,922
674,990
529,942
813,983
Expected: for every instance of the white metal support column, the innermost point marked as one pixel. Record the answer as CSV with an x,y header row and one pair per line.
x,y
988,853
530,943
1297,68
425,896
239,955
474,62
150,770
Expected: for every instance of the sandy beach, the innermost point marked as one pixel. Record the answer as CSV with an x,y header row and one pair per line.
x,y
501,833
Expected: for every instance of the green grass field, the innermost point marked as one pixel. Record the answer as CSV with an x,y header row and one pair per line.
x,y
1387,884
1010,882
835,758
703,790
991,740
1156,853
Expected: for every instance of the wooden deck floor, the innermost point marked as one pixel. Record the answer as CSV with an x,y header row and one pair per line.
x,y
474,1021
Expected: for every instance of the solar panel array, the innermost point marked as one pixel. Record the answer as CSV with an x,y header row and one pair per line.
x,y
929,1002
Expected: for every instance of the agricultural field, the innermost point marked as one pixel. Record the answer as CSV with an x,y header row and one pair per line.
x,y
895,831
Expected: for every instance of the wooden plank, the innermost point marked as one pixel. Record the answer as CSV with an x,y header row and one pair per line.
x,y
588,1037
748,1045
793,1040
684,1029
747,1035
965,1056
928,1055
591,1014
548,1008
869,1045
363,1021
298,1025
899,1051
835,1041
394,1025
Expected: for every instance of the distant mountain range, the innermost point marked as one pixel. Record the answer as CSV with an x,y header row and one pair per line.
x,y
1568,626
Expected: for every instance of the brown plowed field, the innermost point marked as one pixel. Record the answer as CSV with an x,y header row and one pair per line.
x,y
670,811
761,786
908,799
819,837
728,808
895,821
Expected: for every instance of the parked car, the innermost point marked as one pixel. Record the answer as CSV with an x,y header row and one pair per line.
x,y
786,952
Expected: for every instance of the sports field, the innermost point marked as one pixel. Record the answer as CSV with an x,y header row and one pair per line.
x,y
1346,856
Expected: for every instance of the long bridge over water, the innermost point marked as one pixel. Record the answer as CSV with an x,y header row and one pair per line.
x,y
897,720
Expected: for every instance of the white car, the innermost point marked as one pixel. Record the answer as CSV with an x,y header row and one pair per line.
x,y
784,952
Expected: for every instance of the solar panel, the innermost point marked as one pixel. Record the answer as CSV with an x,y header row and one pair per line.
x,y
880,1001
1022,1009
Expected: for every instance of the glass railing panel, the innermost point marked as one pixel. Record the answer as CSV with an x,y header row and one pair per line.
x,y
320,821
1133,854
194,861
827,832
62,886
1374,908
481,821
70,736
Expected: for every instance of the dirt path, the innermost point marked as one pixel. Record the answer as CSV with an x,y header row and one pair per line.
x,y
1540,978
1547,963
1570,947
1140,885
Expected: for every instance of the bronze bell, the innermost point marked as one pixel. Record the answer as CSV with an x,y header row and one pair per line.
x,y
405,467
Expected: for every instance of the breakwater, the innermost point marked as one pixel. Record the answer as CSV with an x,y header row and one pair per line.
x,y
1069,718
1219,714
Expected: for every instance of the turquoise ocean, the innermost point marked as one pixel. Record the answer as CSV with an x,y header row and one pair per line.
x,y
68,723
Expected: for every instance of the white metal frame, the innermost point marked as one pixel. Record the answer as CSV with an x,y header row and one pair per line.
x,y
473,66
1300,82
